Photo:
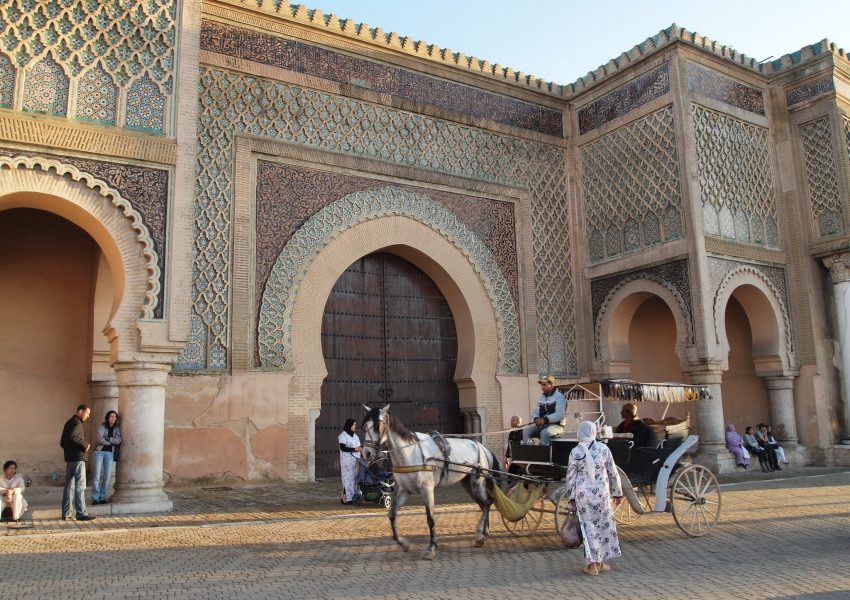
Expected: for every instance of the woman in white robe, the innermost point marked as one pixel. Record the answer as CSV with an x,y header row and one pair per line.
x,y
349,452
595,490
12,490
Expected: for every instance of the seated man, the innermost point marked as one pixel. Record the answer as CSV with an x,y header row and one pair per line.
x,y
549,413
12,486
641,434
513,436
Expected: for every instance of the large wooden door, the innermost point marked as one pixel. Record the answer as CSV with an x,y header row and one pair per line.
x,y
388,336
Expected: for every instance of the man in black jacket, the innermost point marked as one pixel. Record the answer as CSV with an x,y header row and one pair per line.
x,y
74,444
641,434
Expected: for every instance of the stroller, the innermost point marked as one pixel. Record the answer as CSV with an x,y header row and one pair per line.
x,y
375,481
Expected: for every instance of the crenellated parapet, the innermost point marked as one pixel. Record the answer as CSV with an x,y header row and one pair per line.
x,y
664,38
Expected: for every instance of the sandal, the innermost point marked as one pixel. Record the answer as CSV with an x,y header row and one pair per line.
x,y
604,567
591,570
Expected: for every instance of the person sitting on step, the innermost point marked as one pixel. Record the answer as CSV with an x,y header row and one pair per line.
x,y
12,503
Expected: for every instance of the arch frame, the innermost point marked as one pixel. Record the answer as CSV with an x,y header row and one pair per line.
x,y
611,330
770,323
48,184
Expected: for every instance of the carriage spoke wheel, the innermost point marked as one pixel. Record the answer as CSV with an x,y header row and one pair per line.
x,y
624,514
561,509
530,522
695,500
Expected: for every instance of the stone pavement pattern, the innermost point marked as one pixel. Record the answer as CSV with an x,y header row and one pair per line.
x,y
784,538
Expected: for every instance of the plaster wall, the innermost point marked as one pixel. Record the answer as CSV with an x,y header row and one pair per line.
x,y
229,427
47,266
652,340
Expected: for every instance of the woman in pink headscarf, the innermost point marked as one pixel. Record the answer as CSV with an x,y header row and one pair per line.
x,y
735,444
595,490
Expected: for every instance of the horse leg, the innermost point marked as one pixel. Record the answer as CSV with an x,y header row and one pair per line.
x,y
477,490
398,502
428,499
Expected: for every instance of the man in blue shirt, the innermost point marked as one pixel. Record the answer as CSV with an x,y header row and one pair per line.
x,y
548,415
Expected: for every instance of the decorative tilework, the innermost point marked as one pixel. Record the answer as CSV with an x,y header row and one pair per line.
x,y
809,91
287,196
46,88
342,68
145,106
624,99
7,81
846,120
673,276
651,229
232,104
97,97
714,85
275,312
819,159
628,174
126,38
735,175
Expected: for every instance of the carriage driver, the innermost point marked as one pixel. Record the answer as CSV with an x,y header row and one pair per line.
x,y
549,413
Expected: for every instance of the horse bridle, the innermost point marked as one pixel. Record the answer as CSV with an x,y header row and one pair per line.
x,y
376,445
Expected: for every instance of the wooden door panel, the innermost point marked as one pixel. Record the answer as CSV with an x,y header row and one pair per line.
x,y
387,336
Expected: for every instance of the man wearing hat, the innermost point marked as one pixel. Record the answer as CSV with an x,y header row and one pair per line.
x,y
549,413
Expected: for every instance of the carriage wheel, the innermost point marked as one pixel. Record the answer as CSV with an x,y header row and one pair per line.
x,y
695,500
530,522
624,514
561,508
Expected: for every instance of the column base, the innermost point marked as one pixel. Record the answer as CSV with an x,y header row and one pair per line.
x,y
140,498
716,458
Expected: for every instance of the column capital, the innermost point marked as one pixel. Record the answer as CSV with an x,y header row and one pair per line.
x,y
839,267
706,373
141,373
780,382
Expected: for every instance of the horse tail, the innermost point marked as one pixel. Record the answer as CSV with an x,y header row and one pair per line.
x,y
495,477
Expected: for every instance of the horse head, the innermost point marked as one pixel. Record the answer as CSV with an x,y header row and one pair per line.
x,y
374,428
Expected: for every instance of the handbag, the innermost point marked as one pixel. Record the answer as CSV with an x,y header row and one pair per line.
x,y
571,530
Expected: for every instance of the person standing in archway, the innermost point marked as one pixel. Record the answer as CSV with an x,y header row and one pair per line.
x,y
76,447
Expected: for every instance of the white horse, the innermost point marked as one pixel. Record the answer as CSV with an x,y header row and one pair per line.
x,y
420,465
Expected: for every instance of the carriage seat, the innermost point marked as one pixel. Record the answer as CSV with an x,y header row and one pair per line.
x,y
645,463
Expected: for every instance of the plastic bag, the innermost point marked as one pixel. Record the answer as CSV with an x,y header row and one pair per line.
x,y
571,530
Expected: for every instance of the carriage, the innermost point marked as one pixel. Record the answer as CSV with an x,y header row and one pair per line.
x,y
655,479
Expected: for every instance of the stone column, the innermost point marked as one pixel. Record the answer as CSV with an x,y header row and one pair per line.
x,y
141,403
839,274
783,418
712,450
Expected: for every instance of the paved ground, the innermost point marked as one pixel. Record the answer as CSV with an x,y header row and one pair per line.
x,y
785,537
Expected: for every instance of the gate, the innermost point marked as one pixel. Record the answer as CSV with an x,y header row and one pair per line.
x,y
388,336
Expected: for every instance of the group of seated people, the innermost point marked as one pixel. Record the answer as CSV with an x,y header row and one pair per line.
x,y
12,503
760,443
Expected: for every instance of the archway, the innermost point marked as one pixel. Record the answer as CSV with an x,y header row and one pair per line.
x,y
121,239
51,316
388,336
457,280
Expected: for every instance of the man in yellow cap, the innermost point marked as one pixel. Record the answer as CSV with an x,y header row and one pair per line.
x,y
549,413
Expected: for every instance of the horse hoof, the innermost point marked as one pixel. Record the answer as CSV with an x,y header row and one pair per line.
x,y
479,543
429,554
404,545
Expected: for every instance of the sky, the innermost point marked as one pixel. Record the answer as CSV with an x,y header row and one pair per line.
x,y
561,41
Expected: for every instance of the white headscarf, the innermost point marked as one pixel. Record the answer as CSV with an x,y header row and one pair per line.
x,y
586,436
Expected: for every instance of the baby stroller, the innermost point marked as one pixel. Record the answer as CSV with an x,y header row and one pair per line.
x,y
375,480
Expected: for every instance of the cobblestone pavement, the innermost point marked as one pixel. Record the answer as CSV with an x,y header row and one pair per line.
x,y
778,538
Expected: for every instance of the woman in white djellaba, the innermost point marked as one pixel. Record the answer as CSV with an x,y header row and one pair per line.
x,y
349,452
595,490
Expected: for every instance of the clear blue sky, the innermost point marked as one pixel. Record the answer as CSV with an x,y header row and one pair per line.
x,y
562,41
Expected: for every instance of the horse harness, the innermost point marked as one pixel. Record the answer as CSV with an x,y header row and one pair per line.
x,y
442,444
